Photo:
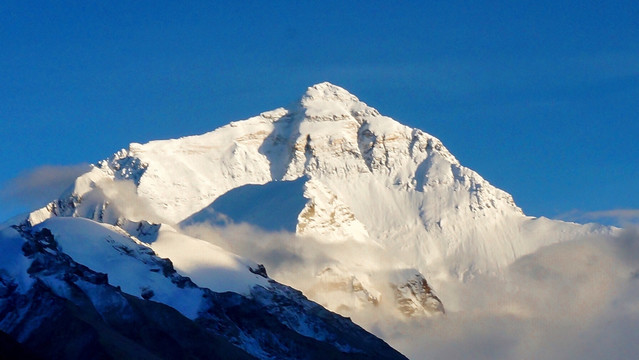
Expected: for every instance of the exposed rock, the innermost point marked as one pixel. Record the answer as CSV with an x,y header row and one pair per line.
x,y
415,297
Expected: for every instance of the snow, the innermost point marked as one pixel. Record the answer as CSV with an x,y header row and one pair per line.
x,y
128,263
207,265
13,263
88,181
284,199
371,200
131,264
39,216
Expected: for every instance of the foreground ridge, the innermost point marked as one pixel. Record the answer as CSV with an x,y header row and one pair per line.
x,y
170,316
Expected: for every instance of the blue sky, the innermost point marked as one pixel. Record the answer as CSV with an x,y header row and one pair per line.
x,y
539,97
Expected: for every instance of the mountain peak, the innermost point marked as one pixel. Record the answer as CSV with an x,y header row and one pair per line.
x,y
327,89
327,101
328,92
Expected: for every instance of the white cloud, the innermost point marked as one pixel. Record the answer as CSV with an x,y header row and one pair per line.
x,y
38,186
123,202
621,214
573,300
286,255
615,216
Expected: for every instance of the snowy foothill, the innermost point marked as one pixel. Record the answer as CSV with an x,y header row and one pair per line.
x,y
129,264
133,265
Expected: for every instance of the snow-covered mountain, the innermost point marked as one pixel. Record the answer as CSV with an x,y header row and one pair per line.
x,y
75,288
353,208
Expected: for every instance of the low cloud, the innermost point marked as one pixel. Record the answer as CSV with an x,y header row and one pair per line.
x,y
38,186
123,202
286,255
619,217
572,300
627,215
324,271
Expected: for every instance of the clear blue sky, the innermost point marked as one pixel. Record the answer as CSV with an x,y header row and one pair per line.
x,y
540,97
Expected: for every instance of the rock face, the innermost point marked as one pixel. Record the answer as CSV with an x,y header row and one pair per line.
x,y
415,296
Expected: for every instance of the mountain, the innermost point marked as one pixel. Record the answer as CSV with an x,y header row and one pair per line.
x,y
354,209
75,288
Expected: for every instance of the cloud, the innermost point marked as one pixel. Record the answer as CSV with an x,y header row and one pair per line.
x,y
38,186
323,271
274,249
461,78
286,255
621,214
573,300
122,202
614,216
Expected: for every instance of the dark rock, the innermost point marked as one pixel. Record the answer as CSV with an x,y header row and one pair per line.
x,y
147,293
11,349
261,270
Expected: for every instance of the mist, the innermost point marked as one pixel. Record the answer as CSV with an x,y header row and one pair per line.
x,y
119,199
286,255
38,186
572,300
